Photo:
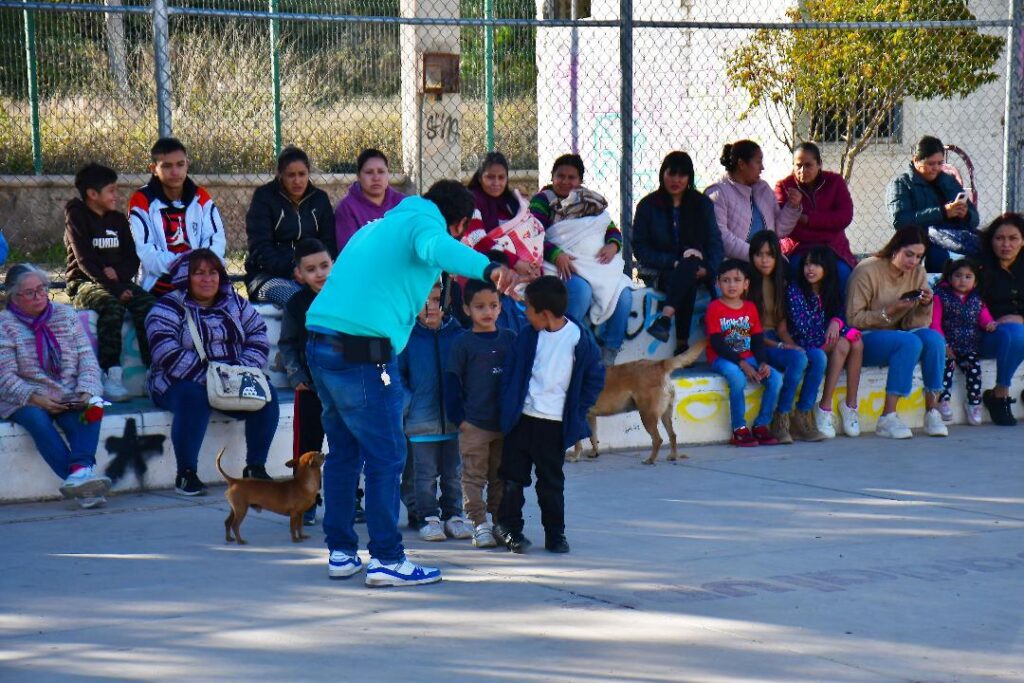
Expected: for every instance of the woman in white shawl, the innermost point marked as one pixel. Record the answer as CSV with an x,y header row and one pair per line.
x,y
582,245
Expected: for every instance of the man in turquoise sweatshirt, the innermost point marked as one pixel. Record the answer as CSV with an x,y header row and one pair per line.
x,y
358,323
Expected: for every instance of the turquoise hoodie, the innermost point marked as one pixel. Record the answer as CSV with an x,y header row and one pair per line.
x,y
385,273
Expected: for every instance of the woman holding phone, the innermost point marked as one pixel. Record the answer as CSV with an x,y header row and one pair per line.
x,y
49,376
933,200
889,301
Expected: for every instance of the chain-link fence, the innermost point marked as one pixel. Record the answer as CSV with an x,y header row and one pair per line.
x,y
435,84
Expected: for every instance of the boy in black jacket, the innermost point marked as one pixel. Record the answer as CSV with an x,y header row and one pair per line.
x,y
101,268
312,266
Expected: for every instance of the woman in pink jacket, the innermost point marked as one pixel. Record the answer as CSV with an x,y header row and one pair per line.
x,y
827,211
745,204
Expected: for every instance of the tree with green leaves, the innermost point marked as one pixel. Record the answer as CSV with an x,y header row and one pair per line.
x,y
809,81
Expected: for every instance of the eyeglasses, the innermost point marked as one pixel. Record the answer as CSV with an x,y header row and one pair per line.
x,y
41,290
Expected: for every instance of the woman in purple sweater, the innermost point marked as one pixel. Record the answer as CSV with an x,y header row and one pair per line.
x,y
368,199
233,333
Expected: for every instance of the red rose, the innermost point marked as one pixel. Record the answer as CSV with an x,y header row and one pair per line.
x,y
93,413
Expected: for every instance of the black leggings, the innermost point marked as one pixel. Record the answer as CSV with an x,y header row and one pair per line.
x,y
680,288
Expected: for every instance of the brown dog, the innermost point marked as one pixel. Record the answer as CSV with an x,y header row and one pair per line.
x,y
644,386
291,497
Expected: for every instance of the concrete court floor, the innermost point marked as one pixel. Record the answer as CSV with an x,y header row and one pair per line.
x,y
857,560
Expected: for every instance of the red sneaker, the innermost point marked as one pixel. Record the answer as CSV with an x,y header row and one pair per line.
x,y
764,436
743,438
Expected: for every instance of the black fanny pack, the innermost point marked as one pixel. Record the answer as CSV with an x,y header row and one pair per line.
x,y
358,349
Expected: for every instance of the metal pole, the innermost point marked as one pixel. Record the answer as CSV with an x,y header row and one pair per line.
x,y
574,67
275,75
33,90
626,120
162,66
489,73
1014,137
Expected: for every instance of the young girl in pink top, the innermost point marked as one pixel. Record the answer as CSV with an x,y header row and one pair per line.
x,y
960,315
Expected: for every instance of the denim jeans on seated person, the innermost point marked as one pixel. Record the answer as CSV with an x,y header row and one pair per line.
x,y
901,351
612,332
796,365
82,439
434,460
363,420
737,382
191,409
1006,345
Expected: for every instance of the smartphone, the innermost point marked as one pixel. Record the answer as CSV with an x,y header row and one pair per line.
x,y
911,295
961,198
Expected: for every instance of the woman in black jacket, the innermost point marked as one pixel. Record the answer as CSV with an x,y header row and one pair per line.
x,y
677,243
283,212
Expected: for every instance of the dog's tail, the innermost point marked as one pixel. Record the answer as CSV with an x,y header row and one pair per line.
x,y
229,479
685,359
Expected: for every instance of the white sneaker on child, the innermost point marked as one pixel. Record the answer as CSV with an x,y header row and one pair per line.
x,y
823,421
933,425
457,527
850,419
891,427
974,415
113,385
432,530
946,411
483,537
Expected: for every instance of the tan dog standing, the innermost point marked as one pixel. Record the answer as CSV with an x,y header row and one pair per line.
x,y
645,386
290,497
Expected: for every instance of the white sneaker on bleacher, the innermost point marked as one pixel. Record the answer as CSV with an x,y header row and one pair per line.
x,y
113,385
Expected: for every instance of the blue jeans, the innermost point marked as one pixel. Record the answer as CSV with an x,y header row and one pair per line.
x,y
737,382
901,350
363,421
613,331
808,365
82,439
188,403
1006,345
432,460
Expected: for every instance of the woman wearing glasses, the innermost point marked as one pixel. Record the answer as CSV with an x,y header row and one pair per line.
x,y
49,378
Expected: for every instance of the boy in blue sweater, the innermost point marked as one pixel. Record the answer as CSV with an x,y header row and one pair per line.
x,y
473,395
549,383
433,437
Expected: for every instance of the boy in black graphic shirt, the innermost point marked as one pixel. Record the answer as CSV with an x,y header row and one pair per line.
x,y
101,268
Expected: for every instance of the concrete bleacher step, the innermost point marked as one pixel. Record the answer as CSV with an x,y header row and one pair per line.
x,y
701,416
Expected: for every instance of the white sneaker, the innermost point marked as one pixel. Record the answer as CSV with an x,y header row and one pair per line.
x,y
403,573
823,421
341,565
891,427
974,415
850,419
457,527
85,483
91,502
432,530
113,385
933,425
483,537
946,411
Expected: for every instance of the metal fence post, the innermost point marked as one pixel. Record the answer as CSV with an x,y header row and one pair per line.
x,y
489,73
626,121
33,90
1014,114
162,66
275,75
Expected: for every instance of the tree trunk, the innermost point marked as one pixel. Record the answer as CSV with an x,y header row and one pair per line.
x,y
117,53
